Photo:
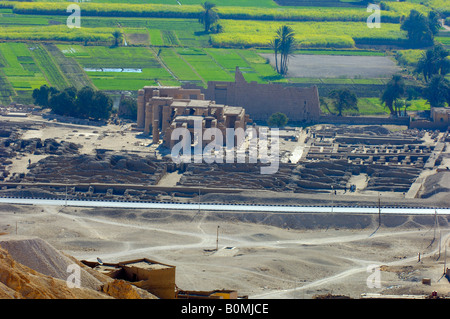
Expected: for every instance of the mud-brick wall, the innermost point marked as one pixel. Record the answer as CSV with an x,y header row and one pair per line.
x,y
160,282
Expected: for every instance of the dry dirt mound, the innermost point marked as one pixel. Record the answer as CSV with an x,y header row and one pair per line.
x,y
40,256
31,268
18,281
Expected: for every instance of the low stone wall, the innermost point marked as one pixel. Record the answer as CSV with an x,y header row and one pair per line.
x,y
428,125
363,120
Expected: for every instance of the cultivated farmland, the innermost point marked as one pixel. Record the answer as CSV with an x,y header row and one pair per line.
x,y
163,43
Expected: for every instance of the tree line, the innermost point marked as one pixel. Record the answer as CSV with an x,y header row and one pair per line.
x,y
85,103
433,66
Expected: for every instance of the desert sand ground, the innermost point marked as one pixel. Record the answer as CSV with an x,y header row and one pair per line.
x,y
254,257
260,255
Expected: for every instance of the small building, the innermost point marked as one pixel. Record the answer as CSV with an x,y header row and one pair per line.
x,y
155,277
440,115
439,119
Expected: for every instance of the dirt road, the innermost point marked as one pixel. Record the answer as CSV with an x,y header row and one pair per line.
x,y
254,257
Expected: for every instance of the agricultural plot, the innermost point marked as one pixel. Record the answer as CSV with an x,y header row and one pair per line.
x,y
409,57
155,37
20,68
308,34
250,63
371,106
179,67
50,69
122,68
391,14
6,90
184,53
322,3
241,3
56,33
169,38
325,66
14,19
69,67
136,37
204,65
161,31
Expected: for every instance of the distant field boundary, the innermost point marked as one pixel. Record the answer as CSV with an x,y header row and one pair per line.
x,y
192,11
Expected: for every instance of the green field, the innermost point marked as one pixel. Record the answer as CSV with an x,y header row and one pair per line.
x,y
163,43
20,67
99,57
240,3
373,106
308,34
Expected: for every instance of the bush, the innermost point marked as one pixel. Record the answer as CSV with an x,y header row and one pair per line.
x,y
278,120
85,103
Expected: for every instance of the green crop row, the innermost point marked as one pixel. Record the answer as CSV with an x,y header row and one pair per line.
x,y
20,67
155,37
240,3
56,33
441,5
308,34
192,11
51,71
181,69
403,8
100,9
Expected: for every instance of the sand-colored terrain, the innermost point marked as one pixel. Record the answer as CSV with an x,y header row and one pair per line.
x,y
298,260
261,255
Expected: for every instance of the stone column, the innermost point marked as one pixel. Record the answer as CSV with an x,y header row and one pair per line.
x,y
148,118
141,109
165,117
155,131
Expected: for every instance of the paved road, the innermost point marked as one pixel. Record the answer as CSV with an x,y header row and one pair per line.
x,y
229,207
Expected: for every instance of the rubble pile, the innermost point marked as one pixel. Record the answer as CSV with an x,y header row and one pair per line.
x,y
100,168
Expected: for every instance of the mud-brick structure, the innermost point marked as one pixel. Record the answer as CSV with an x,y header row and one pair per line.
x,y
163,109
153,276
262,100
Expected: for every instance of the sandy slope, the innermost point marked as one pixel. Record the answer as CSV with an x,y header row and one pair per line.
x,y
255,258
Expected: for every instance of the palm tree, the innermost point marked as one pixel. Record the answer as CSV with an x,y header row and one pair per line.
x,y
286,40
437,91
275,45
433,61
208,16
117,36
394,90
344,100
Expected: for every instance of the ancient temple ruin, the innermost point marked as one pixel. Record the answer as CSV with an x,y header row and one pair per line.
x,y
163,109
262,100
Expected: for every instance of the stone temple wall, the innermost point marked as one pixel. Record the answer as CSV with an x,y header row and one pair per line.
x,y
262,100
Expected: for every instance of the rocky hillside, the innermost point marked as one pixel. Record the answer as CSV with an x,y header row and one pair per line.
x,y
30,268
